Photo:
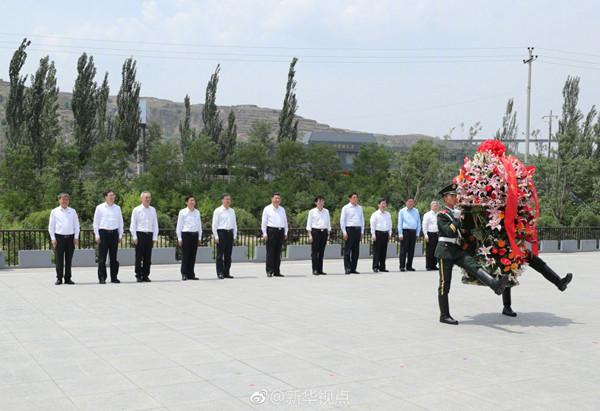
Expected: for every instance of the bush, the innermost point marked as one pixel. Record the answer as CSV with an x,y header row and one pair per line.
x,y
38,220
245,219
586,218
548,221
302,218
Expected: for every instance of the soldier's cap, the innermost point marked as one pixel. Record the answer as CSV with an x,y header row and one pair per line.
x,y
449,189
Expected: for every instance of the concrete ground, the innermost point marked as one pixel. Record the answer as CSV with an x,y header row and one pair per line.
x,y
363,342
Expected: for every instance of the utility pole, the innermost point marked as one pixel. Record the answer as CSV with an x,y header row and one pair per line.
x,y
549,129
528,61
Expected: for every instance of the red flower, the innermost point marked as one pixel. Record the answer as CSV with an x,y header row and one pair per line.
x,y
505,261
494,251
495,146
488,188
502,251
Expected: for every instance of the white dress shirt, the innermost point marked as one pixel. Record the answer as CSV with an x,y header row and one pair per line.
x,y
144,219
381,222
274,217
108,218
63,221
318,219
352,216
189,222
224,219
430,223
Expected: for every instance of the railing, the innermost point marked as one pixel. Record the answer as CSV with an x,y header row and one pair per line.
x,y
11,241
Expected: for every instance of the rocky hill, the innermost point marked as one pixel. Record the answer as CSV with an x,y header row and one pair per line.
x,y
168,114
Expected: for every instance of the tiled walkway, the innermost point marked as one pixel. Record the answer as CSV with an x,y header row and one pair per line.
x,y
368,341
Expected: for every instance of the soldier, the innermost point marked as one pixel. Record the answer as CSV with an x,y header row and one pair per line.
x,y
449,253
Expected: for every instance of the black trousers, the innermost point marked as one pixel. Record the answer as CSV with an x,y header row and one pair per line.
x,y
380,249
351,248
275,237
189,249
64,255
109,244
143,254
318,248
430,260
407,248
224,249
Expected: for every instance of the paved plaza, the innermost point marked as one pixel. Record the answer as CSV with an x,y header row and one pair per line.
x,y
361,342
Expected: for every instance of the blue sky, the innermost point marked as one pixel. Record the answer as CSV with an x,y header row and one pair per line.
x,y
392,67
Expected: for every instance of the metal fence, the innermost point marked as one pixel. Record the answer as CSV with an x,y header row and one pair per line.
x,y
11,241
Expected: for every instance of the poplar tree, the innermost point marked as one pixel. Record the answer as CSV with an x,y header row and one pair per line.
x,y
229,138
105,122
509,131
15,105
128,107
187,133
85,106
288,124
213,126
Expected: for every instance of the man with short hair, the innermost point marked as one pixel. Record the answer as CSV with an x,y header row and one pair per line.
x,y
381,233
409,225
318,226
64,234
274,228
108,231
352,223
224,228
430,232
144,229
189,236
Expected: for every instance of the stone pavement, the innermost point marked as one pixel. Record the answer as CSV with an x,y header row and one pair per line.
x,y
364,342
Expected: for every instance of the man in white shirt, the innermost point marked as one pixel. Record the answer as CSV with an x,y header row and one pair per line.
x,y
108,230
224,228
144,230
189,235
352,222
318,226
430,231
381,233
64,234
274,228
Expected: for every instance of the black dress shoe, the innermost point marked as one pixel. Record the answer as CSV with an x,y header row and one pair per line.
x,y
139,280
278,275
315,272
410,269
103,281
446,319
220,276
402,269
146,280
354,272
269,274
116,281
375,270
228,276
183,277
322,273
384,271
508,311
193,278
69,281
58,282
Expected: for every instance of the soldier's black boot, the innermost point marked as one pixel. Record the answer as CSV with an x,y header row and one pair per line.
x,y
496,285
506,300
445,316
540,266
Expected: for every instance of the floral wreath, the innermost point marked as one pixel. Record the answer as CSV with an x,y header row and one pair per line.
x,y
498,197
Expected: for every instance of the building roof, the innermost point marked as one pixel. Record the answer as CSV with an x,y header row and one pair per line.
x,y
338,137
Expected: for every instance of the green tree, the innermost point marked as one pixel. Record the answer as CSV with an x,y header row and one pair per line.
x,y
289,159
372,160
15,104
163,168
510,129
186,132
84,103
63,172
128,107
213,126
19,181
251,159
105,122
288,124
153,137
201,159
417,171
41,102
322,160
229,139
108,160
261,130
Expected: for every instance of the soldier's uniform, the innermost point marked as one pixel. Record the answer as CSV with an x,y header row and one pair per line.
x,y
449,253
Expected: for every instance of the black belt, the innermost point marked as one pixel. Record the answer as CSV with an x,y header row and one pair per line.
x,y
108,231
228,230
354,227
64,235
190,232
382,232
321,230
409,229
274,228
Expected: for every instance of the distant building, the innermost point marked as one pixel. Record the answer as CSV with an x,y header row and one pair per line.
x,y
346,144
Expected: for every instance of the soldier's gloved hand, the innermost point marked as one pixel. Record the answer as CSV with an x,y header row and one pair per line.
x,y
457,214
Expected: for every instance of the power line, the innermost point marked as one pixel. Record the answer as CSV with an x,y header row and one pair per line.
x,y
569,65
570,52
